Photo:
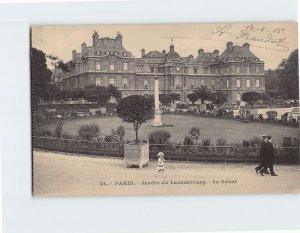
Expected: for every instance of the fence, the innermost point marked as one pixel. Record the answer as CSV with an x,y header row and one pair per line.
x,y
238,154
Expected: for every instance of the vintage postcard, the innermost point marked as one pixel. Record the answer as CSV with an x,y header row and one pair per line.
x,y
165,109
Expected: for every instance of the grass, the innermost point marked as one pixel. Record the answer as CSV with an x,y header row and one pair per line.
x,y
213,128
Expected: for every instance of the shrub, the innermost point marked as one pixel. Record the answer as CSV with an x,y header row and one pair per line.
x,y
245,143
221,142
58,130
255,142
290,142
206,142
221,112
45,133
251,117
66,135
98,112
159,137
121,132
194,134
89,132
261,117
188,141
271,116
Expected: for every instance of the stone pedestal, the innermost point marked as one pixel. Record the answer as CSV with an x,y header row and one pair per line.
x,y
157,119
136,154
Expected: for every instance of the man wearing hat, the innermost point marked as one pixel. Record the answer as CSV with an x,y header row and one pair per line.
x,y
262,154
269,152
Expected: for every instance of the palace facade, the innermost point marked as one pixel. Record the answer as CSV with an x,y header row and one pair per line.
x,y
236,70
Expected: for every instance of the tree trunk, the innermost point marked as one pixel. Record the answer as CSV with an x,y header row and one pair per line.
x,y
136,136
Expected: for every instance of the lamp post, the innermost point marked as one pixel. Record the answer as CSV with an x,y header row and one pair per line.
x,y
157,116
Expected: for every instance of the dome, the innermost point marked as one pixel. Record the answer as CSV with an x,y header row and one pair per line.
x,y
172,55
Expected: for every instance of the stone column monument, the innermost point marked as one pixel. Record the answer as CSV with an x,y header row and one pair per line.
x,y
157,117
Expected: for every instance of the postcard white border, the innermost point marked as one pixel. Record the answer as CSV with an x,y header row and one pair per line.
x,y
24,213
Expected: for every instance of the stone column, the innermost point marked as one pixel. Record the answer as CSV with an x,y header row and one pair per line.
x,y
157,117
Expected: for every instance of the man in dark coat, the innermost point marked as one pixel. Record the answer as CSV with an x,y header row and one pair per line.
x,y
269,153
262,154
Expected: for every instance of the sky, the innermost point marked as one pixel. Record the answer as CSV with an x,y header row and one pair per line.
x,y
271,42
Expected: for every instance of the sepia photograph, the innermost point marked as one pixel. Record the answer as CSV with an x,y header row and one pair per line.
x,y
164,109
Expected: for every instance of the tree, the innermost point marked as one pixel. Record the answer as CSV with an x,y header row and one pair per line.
x,y
195,133
289,77
40,76
175,97
250,97
193,97
218,98
114,92
203,93
98,94
165,99
58,130
136,109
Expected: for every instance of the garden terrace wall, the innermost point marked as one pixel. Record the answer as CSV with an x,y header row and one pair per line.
x,y
173,152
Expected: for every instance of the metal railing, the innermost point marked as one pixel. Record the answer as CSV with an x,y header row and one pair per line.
x,y
189,153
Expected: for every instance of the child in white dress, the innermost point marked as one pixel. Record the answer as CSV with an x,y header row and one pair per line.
x,y
160,164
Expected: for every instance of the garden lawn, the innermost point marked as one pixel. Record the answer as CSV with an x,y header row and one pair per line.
x,y
232,130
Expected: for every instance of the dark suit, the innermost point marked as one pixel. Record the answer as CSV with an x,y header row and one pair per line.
x,y
262,154
269,153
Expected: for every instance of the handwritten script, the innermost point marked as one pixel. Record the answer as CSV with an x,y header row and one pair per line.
x,y
263,36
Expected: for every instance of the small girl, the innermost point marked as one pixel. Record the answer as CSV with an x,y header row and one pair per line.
x,y
160,164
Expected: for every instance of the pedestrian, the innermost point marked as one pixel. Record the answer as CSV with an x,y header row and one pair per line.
x,y
160,164
269,150
263,158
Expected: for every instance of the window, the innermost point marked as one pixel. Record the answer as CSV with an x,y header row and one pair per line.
x,y
213,83
173,82
248,83
184,81
177,68
125,66
152,69
98,81
238,70
238,97
98,66
111,66
257,69
140,68
227,70
202,83
184,70
257,84
195,70
247,70
172,70
227,83
125,82
221,71
116,53
177,83
216,70
124,54
145,84
112,81
238,83
107,52
205,70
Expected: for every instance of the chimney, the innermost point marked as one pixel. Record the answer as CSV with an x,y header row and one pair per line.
x,y
83,47
246,45
119,37
216,52
143,52
95,38
164,52
200,52
190,57
171,47
229,45
73,53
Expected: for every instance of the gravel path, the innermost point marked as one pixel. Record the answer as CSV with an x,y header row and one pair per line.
x,y
58,174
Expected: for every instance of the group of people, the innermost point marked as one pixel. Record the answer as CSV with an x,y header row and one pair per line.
x,y
267,157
